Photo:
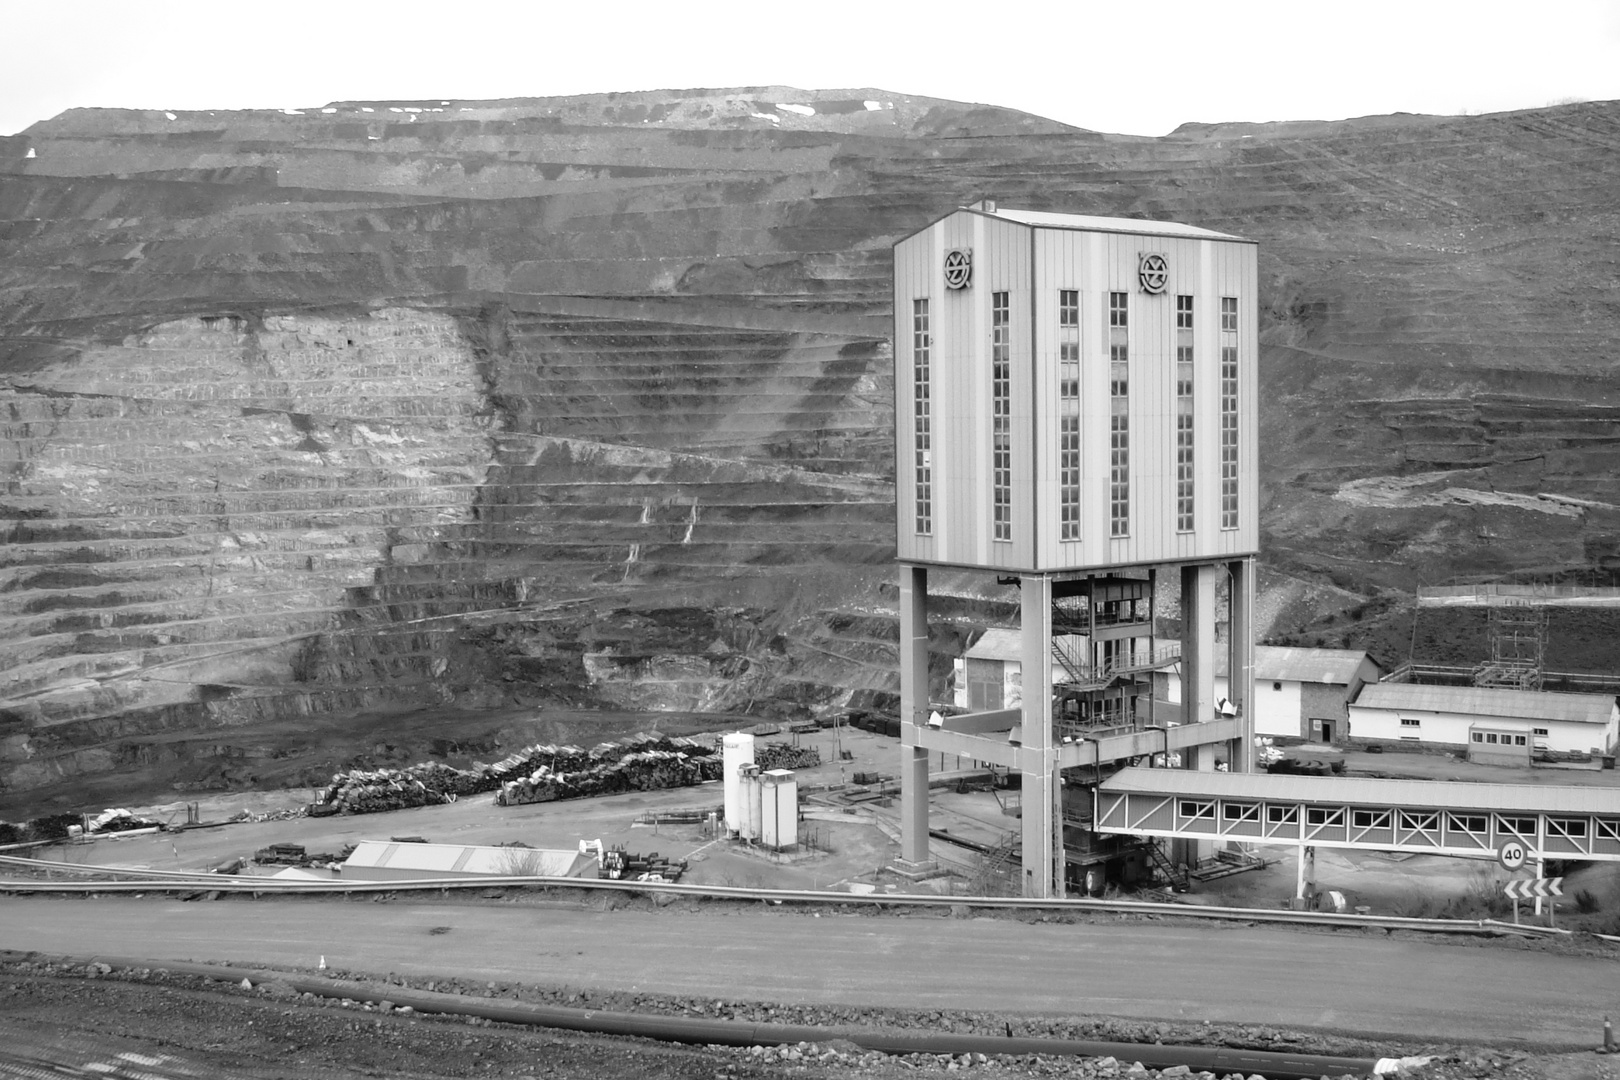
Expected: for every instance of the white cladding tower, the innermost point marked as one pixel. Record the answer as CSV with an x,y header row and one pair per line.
x,y
1076,409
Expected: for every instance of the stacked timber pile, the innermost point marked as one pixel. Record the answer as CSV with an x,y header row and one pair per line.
x,y
370,791
770,756
639,763
537,773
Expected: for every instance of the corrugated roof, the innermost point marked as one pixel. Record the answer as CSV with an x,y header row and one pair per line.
x,y
997,644
1046,220
468,859
1367,791
1280,663
1487,701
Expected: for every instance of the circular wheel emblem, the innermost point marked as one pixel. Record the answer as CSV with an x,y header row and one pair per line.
x,y
1154,273
958,268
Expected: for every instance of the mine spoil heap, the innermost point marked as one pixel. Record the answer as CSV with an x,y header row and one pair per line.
x,y
385,404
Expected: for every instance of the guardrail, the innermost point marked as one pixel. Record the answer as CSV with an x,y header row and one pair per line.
x,y
148,881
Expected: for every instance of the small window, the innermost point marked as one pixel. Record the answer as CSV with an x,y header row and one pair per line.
x,y
1407,721
1282,815
1518,740
1490,737
1229,313
1068,307
1518,826
1323,815
1479,736
1370,819
1193,809
1116,309
1468,823
1240,811
1572,827
1540,732
1184,313
1419,821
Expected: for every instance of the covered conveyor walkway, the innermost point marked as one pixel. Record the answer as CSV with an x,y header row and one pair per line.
x,y
1422,816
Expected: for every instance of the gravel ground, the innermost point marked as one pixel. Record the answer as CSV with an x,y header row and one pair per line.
x,y
66,1013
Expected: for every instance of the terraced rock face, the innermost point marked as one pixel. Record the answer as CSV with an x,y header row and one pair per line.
x,y
589,400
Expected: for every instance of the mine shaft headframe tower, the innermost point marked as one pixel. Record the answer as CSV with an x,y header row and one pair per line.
x,y
1076,400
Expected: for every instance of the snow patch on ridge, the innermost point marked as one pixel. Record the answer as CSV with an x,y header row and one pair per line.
x,y
802,110
1423,489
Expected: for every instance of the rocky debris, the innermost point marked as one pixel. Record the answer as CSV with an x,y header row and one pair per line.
x,y
278,1020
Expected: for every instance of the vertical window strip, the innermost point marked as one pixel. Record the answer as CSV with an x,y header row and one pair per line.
x,y
1185,518
1069,410
1119,420
922,417
1001,410
1229,413
1184,431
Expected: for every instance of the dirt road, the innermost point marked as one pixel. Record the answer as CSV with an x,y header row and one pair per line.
x,y
1341,981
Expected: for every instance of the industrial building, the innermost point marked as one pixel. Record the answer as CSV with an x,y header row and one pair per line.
x,y
1298,693
1076,415
1449,717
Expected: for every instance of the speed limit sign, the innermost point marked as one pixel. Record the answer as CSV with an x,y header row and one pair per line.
x,y
1511,854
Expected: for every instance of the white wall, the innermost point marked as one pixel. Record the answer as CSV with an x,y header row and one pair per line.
x,y
1276,712
1385,725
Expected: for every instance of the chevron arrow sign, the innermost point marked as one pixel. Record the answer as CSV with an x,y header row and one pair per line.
x,y
1530,888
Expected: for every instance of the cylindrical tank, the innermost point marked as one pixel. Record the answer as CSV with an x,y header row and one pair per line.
x,y
736,750
752,793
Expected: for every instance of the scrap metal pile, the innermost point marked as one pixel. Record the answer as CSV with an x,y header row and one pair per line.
x,y
543,773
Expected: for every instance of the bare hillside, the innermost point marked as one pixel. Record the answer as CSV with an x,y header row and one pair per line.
x,y
382,405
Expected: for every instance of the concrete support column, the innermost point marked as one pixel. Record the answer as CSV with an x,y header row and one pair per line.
x,y
1240,657
913,713
1306,884
1041,820
1197,682
1198,642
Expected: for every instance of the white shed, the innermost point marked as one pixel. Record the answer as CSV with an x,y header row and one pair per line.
x,y
1298,692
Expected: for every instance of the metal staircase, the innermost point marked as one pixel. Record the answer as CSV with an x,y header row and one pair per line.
x,y
997,872
1174,876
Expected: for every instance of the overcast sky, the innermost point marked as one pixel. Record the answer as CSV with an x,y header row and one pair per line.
x,y
1122,66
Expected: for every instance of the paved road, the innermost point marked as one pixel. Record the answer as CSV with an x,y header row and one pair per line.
x,y
1343,981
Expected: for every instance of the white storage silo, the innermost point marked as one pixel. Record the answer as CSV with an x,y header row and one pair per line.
x,y
736,750
779,809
